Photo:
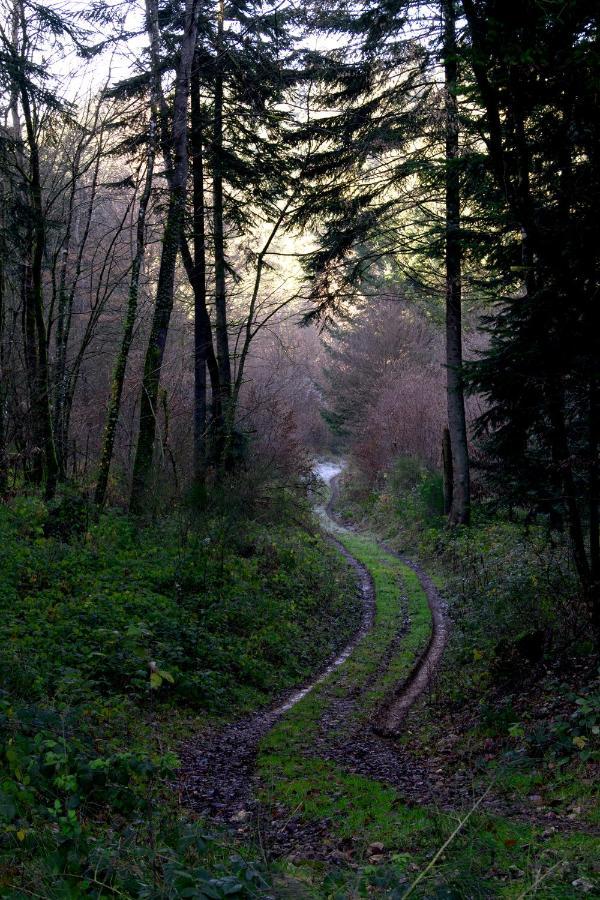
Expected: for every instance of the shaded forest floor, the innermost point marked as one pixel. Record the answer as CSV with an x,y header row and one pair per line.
x,y
131,649
121,639
505,719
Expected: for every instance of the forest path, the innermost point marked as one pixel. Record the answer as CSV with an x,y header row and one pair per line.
x,y
219,780
407,692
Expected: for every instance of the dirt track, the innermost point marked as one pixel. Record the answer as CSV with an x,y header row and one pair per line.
x,y
217,779
390,718
217,775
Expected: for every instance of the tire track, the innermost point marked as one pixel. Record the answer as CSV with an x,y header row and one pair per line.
x,y
216,778
389,718
217,775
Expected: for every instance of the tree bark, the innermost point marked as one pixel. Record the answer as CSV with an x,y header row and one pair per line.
x,y
460,510
211,359
222,336
31,360
66,302
177,179
448,472
202,330
35,299
118,378
33,441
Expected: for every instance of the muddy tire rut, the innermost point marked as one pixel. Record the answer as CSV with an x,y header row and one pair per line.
x,y
389,719
217,776
218,780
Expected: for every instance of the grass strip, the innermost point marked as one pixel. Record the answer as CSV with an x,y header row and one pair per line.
x,y
490,856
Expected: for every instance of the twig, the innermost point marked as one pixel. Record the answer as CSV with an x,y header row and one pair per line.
x,y
541,878
447,843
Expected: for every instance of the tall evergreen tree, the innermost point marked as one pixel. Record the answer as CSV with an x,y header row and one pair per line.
x,y
455,446
534,68
395,161
242,165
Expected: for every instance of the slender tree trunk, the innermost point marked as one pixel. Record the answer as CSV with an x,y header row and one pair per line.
x,y
31,361
61,341
172,237
202,334
65,385
118,378
42,393
156,349
211,359
195,266
33,442
594,492
223,356
96,309
448,472
460,510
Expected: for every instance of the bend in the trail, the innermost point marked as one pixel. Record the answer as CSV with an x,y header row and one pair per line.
x,y
217,776
393,712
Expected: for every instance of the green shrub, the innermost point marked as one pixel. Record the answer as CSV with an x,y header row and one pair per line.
x,y
114,634
511,591
409,501
406,474
431,491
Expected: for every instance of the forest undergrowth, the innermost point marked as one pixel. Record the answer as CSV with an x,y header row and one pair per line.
x,y
122,639
516,703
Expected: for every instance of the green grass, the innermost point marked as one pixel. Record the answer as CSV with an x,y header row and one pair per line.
x,y
490,856
396,589
500,584
231,613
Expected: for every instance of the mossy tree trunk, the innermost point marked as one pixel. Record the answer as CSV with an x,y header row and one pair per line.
x,y
204,354
118,377
35,298
177,172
